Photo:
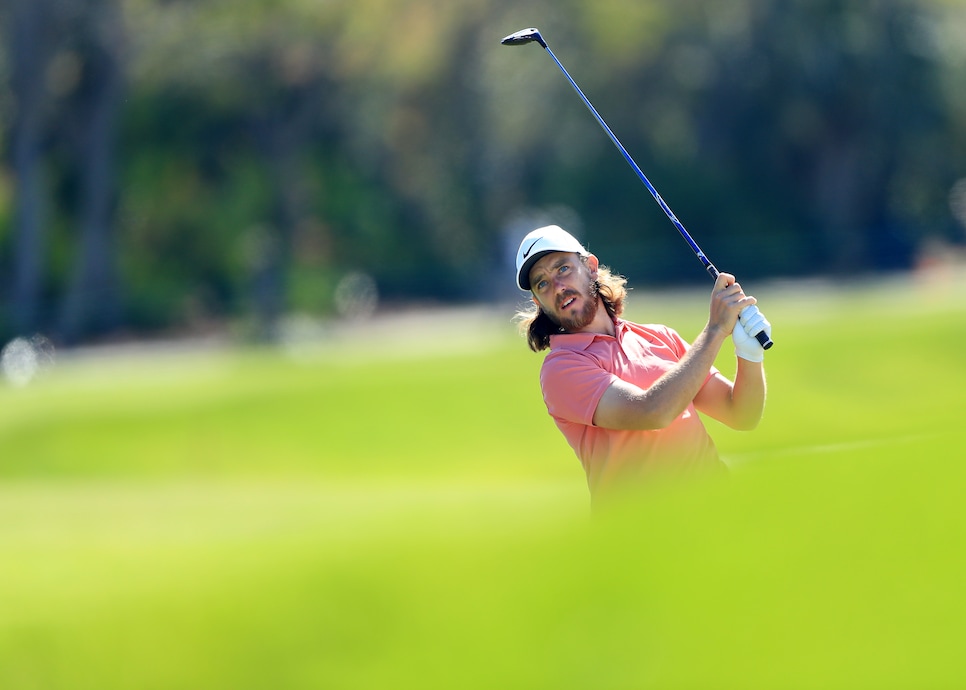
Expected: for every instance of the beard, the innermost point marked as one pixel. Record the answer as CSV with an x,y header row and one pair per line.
x,y
581,318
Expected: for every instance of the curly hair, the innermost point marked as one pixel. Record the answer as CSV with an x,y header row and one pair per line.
x,y
538,327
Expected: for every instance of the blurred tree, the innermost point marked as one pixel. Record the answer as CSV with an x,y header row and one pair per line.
x,y
257,111
92,303
30,52
790,137
850,108
66,81
266,149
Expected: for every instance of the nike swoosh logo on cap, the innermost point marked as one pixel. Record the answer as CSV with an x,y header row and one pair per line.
x,y
527,253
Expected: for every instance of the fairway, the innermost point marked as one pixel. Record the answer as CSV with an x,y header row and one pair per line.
x,y
390,506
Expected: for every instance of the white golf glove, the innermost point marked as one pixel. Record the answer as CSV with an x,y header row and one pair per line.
x,y
750,322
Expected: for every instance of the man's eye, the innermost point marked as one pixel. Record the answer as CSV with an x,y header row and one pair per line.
x,y
541,284
564,269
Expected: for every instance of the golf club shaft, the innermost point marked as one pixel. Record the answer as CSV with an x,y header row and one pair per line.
x,y
529,35
640,173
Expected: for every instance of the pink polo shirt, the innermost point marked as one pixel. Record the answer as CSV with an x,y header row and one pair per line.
x,y
574,376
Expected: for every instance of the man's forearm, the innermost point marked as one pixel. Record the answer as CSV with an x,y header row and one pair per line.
x,y
748,396
626,406
672,393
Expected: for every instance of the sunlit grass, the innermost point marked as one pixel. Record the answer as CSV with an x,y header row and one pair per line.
x,y
226,519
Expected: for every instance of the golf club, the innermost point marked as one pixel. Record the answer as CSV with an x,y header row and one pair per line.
x,y
532,35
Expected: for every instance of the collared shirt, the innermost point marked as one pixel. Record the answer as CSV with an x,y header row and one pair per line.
x,y
574,376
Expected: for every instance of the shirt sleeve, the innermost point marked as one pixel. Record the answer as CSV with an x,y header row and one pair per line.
x,y
678,345
671,338
572,385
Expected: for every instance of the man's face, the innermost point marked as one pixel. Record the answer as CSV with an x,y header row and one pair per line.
x,y
563,287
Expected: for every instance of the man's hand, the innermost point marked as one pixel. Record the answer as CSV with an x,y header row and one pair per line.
x,y
750,322
728,300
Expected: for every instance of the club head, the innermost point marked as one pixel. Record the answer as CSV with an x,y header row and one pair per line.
x,y
524,36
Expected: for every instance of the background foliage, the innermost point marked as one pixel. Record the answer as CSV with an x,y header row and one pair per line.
x,y
166,166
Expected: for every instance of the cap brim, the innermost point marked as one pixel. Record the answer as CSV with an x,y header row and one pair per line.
x,y
523,277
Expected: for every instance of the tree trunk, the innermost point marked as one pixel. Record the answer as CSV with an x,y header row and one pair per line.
x,y
282,133
29,55
92,304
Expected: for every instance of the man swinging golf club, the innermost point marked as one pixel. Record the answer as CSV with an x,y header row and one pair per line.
x,y
625,395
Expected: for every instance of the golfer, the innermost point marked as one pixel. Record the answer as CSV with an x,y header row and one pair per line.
x,y
625,395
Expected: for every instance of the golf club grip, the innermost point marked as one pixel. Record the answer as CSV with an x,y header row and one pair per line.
x,y
760,336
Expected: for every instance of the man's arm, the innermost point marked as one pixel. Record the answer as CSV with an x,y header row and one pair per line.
x,y
625,406
738,405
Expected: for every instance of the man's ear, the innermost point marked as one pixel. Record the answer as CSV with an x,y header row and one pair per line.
x,y
593,265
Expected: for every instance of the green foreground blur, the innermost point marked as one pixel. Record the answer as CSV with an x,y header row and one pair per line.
x,y
396,510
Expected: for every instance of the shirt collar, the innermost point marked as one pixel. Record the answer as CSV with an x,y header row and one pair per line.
x,y
581,341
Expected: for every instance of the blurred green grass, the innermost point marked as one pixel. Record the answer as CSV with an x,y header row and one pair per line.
x,y
398,511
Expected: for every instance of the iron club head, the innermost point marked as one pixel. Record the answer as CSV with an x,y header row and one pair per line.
x,y
524,36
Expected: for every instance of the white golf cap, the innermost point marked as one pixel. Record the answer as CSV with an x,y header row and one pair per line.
x,y
550,238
